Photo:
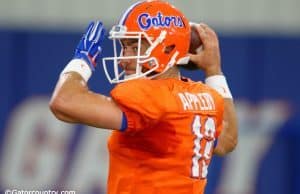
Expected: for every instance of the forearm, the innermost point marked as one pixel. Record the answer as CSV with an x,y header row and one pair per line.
x,y
228,138
67,88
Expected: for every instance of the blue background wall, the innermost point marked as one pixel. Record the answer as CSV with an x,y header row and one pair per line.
x,y
259,69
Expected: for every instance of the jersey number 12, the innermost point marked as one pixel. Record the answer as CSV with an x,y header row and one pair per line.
x,y
203,145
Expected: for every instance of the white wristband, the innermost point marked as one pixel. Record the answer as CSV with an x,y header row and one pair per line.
x,y
79,66
219,83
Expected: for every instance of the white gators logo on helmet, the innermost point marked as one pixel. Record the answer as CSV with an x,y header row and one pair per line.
x,y
145,21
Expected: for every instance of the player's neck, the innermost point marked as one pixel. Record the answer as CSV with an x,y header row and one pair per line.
x,y
173,72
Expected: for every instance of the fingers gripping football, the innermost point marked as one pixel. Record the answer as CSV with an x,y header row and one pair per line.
x,y
89,47
208,59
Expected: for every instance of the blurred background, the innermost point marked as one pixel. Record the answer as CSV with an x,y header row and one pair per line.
x,y
260,45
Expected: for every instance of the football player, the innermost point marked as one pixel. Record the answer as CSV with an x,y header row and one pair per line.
x,y
165,128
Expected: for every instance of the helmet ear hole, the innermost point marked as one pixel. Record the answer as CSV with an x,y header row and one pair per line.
x,y
169,49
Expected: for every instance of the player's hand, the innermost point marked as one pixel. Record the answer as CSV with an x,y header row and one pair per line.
x,y
89,47
209,59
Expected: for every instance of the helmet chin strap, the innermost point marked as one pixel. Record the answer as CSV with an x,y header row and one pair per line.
x,y
131,76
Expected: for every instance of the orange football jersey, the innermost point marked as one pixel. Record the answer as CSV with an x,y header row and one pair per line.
x,y
169,140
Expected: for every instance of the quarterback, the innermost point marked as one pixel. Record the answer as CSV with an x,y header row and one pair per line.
x,y
166,128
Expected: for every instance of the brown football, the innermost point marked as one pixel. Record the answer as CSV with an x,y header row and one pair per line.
x,y
195,46
195,41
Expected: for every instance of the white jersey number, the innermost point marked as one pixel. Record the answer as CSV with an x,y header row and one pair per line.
x,y
203,145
